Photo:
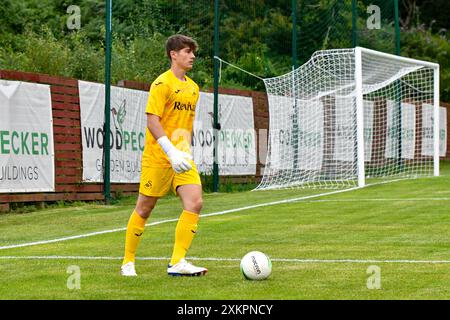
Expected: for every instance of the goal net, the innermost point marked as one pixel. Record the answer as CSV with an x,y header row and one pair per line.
x,y
349,117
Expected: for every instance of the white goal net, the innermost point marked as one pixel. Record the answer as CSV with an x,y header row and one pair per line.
x,y
348,117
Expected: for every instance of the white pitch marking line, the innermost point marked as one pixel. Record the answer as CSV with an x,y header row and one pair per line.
x,y
380,199
174,220
229,259
203,216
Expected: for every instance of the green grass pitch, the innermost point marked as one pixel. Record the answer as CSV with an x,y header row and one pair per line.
x,y
321,248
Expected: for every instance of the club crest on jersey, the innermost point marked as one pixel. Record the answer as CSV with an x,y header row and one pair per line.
x,y
183,106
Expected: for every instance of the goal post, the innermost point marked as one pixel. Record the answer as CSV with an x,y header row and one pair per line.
x,y
436,114
349,117
359,117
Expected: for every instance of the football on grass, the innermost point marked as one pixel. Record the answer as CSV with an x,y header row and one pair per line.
x,y
256,265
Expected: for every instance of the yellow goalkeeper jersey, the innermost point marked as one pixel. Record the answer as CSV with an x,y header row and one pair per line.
x,y
174,101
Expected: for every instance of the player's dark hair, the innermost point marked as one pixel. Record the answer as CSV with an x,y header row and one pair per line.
x,y
178,42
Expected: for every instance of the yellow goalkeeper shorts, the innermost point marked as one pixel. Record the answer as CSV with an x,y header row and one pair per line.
x,y
157,181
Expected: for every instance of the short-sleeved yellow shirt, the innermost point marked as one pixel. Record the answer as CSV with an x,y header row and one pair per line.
x,y
174,101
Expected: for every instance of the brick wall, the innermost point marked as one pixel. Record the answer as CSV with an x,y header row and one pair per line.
x,y
68,144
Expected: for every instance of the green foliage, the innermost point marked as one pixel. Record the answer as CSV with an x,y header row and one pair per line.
x,y
421,43
36,54
138,58
256,36
256,62
434,13
72,56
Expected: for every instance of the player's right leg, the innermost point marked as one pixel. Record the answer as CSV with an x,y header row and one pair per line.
x,y
135,229
155,183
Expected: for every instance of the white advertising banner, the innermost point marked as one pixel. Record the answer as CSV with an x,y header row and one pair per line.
x,y
26,138
408,123
442,131
368,129
301,144
345,132
391,150
280,153
408,130
237,148
427,130
237,142
127,138
310,134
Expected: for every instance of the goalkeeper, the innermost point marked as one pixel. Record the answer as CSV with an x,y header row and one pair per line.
x,y
166,159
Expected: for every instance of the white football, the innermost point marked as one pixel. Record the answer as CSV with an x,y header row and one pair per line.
x,y
255,265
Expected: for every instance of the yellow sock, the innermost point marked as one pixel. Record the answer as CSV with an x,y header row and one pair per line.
x,y
135,228
184,234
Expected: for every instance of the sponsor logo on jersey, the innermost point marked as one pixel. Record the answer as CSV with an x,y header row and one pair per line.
x,y
183,106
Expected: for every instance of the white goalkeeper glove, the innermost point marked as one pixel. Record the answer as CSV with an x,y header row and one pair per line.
x,y
178,159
